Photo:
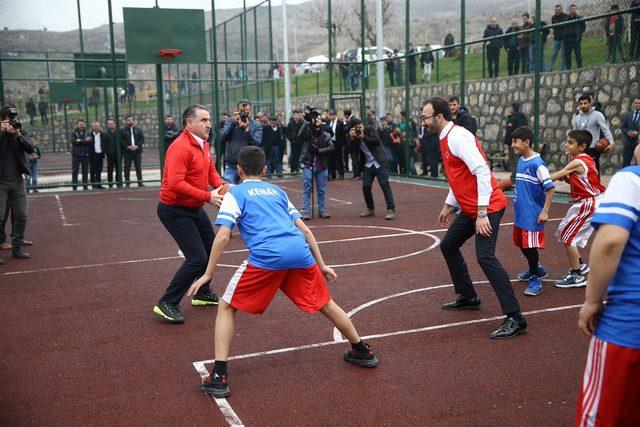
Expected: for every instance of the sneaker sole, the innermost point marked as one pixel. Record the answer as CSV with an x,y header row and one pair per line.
x,y
371,363
217,393
522,331
527,279
469,307
577,285
164,317
198,302
532,294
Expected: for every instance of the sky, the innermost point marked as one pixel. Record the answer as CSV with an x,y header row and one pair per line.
x,y
62,15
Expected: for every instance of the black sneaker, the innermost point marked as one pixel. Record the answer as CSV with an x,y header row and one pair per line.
x,y
366,360
169,312
216,385
509,329
204,297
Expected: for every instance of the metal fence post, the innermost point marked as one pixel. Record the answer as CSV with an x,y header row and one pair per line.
x,y
463,47
255,41
160,109
273,94
438,67
243,25
226,67
53,128
115,96
362,45
214,92
330,34
536,77
407,155
84,81
2,86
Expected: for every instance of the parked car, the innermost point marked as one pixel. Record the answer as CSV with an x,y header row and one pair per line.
x,y
370,53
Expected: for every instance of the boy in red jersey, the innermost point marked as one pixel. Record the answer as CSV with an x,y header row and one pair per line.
x,y
575,229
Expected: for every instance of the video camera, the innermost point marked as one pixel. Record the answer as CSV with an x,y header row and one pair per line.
x,y
13,118
310,113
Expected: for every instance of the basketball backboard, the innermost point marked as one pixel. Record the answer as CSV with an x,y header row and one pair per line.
x,y
63,92
93,70
148,30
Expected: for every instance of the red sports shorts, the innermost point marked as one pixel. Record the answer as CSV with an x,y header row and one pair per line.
x,y
251,288
526,239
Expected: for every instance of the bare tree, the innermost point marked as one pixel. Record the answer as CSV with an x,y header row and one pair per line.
x,y
319,15
369,19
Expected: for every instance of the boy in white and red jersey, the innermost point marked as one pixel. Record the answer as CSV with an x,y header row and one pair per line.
x,y
575,229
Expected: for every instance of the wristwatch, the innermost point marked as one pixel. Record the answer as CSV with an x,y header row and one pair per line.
x,y
482,214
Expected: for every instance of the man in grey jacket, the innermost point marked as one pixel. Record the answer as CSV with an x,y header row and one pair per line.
x,y
593,121
239,131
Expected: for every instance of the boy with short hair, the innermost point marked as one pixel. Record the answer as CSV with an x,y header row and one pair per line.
x,y
532,200
575,228
283,254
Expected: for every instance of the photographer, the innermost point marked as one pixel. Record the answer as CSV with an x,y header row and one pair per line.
x,y
317,149
80,141
374,162
239,131
13,164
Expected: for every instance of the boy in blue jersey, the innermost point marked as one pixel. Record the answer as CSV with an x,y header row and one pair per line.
x,y
534,192
283,254
610,391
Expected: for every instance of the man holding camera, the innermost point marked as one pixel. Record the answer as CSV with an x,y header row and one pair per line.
x,y
317,149
13,164
239,131
374,165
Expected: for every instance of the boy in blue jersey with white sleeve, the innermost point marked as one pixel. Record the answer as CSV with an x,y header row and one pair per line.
x,y
283,254
532,200
610,390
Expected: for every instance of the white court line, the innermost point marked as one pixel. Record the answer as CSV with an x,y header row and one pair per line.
x,y
61,211
226,409
344,202
391,334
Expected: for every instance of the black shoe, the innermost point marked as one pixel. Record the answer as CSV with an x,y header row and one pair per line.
x,y
216,385
340,177
20,254
509,329
462,303
366,360
169,312
204,297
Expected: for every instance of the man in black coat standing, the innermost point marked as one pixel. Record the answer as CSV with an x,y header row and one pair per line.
x,y
493,46
96,155
515,119
336,129
353,146
111,150
132,140
295,123
80,141
630,127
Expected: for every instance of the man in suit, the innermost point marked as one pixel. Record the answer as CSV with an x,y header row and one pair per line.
x,y
630,127
273,139
132,140
111,151
353,147
80,141
335,127
295,123
96,155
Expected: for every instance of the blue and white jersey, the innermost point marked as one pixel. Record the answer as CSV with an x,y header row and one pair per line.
x,y
620,205
265,219
532,183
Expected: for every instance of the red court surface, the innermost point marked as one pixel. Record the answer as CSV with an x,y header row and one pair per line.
x,y
80,345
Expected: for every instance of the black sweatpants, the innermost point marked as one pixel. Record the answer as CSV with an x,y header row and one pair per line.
x,y
382,173
193,232
461,230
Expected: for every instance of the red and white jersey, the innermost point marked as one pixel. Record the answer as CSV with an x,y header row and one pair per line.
x,y
588,184
470,178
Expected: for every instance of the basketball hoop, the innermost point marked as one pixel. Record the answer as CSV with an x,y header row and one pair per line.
x,y
168,54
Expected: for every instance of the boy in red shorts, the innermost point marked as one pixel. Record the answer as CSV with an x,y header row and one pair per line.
x,y
283,254
575,228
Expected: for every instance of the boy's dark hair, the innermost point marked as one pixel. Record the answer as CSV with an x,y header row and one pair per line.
x,y
525,14
127,116
252,160
455,99
440,106
584,97
80,120
5,111
523,133
581,136
168,115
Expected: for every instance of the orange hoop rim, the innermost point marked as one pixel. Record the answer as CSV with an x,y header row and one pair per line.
x,y
168,54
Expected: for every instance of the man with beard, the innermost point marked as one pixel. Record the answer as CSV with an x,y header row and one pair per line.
x,y
514,121
461,116
475,192
111,151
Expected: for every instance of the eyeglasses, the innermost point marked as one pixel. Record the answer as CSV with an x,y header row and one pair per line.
x,y
424,118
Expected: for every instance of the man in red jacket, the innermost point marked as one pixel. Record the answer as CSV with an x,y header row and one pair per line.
x,y
188,173
475,192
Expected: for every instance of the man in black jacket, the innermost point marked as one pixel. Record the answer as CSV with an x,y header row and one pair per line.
x,y
96,155
111,150
412,60
132,140
274,142
295,123
353,147
573,37
336,127
80,141
559,17
512,46
461,116
630,127
13,164
515,119
374,161
493,46
171,131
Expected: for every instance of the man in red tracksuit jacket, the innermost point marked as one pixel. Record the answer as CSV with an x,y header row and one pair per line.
x,y
188,173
